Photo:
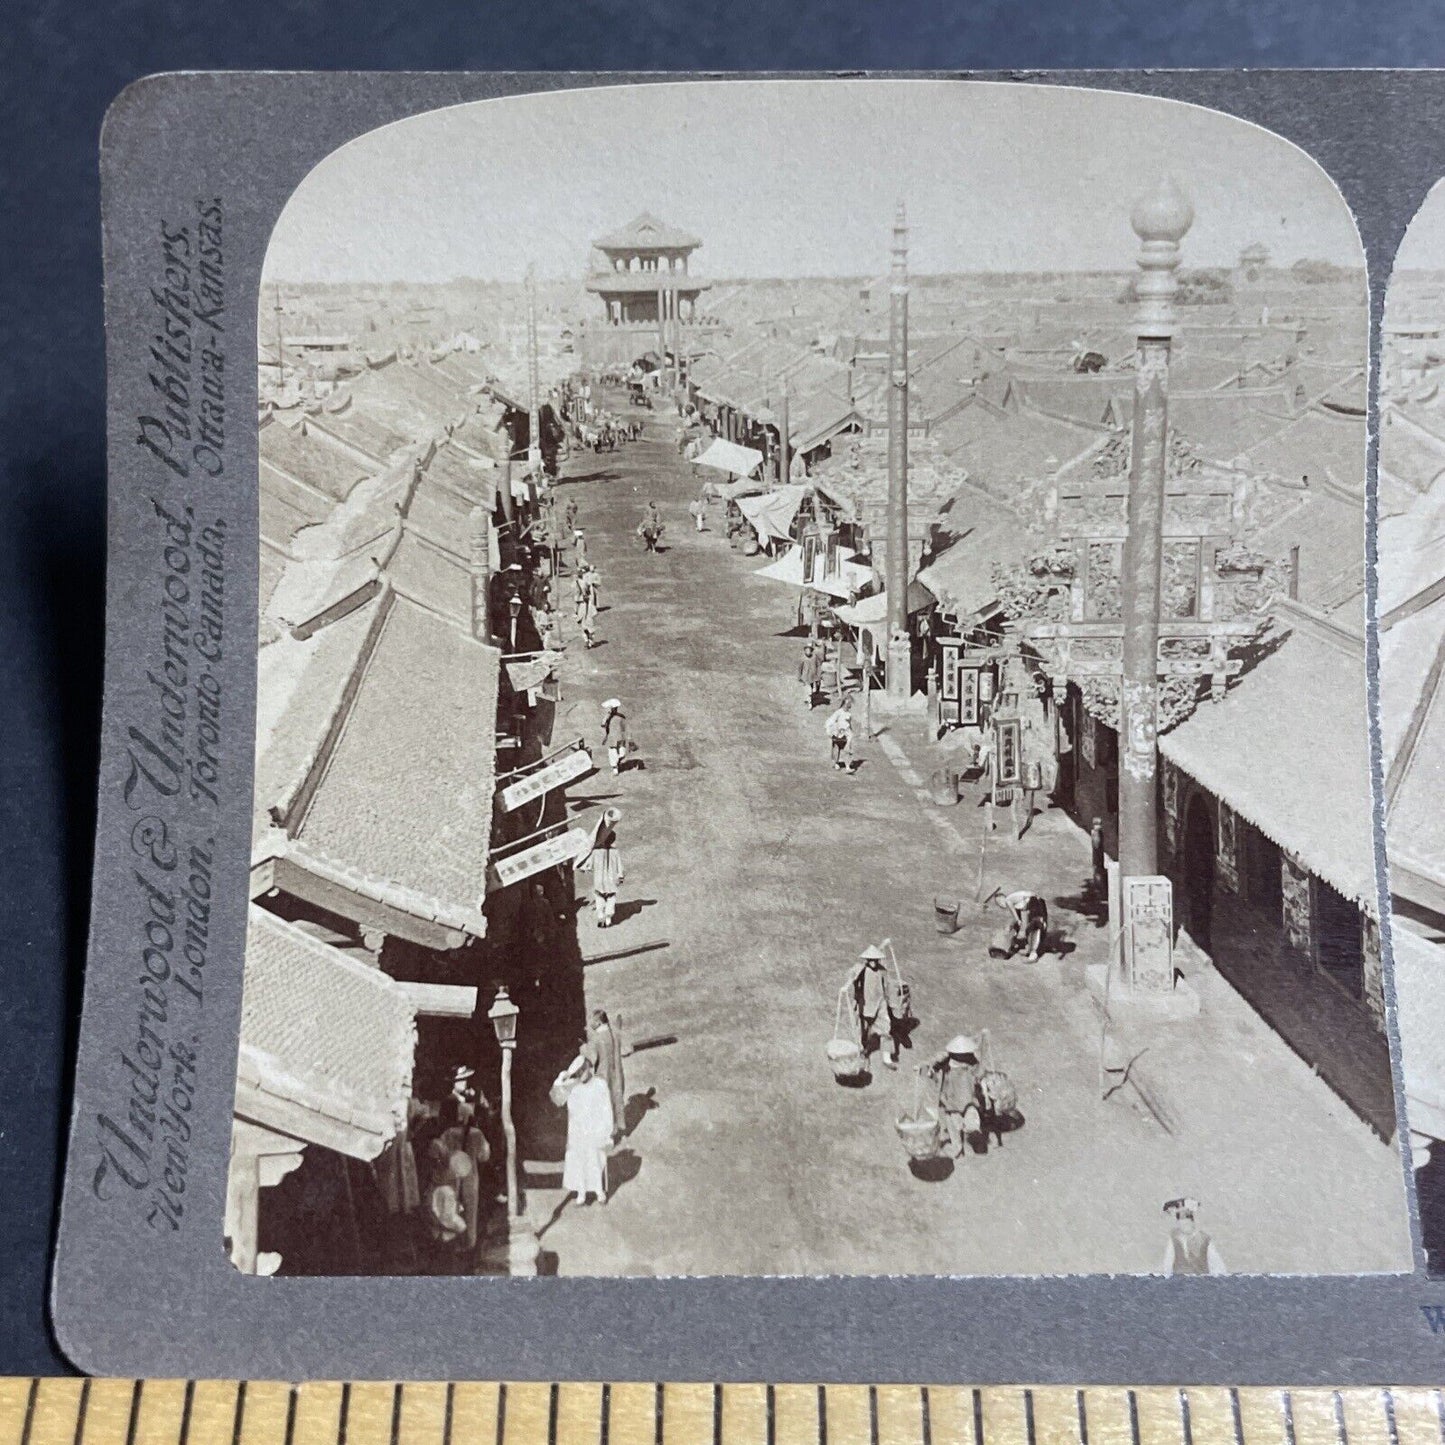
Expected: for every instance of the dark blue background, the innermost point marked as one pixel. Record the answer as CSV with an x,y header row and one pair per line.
x,y
63,63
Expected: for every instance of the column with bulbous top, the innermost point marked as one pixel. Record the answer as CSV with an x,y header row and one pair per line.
x,y
1160,221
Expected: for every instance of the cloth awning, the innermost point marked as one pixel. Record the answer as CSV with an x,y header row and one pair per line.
x,y
742,487
850,578
772,513
873,611
1287,748
725,456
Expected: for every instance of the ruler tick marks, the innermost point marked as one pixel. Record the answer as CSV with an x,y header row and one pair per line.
x,y
554,1396
604,1425
502,1412
1342,1431
1289,1435
345,1414
1134,1417
978,1418
29,1412
1237,1416
187,1404
925,1410
872,1415
822,1416
290,1416
1186,1425
1084,1418
396,1415
134,1420
1029,1418
85,1404
772,1417
239,1417
447,1417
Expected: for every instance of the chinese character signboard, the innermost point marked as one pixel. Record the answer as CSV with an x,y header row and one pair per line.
x,y
562,770
1008,759
968,681
1149,934
560,848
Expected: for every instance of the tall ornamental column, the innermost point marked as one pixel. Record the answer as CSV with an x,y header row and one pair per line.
x,y
1160,220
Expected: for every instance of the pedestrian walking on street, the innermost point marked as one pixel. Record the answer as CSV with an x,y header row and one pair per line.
x,y
579,548
586,590
956,1073
603,860
876,1000
1190,1250
839,728
810,674
585,1096
614,734
651,528
603,1049
699,513
569,517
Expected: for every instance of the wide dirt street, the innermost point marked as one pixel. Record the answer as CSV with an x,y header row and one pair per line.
x,y
755,873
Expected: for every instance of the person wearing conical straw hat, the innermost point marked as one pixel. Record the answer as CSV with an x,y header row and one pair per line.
x,y
614,734
956,1072
876,1002
603,860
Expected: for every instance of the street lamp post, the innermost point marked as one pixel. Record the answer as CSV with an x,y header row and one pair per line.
x,y
522,1243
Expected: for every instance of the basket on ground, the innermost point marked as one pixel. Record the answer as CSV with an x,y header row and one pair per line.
x,y
847,1059
920,1133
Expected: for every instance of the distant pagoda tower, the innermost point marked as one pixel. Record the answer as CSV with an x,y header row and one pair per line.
x,y
649,295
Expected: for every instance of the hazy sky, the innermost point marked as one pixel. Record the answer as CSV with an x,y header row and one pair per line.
x,y
787,178
1423,248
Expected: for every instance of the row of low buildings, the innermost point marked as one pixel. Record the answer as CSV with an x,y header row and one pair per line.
x,y
394,689
1018,447
1411,612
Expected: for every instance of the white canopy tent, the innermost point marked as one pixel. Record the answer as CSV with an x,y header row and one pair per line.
x,y
725,456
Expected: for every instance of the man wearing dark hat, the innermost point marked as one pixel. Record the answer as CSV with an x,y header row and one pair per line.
x,y
876,1002
956,1072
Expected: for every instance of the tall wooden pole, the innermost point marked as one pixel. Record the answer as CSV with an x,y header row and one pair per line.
x,y
785,450
534,400
1160,221
900,664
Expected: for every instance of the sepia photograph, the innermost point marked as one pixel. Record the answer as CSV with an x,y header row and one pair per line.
x,y
1411,620
812,698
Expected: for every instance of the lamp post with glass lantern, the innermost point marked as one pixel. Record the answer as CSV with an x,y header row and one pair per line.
x,y
522,1244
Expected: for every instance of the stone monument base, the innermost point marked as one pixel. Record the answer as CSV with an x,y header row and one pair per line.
x,y
1182,1002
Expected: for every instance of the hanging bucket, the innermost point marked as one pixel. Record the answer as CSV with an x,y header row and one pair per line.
x,y
920,1133
847,1059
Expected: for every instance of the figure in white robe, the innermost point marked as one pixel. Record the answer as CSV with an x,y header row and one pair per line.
x,y
589,1132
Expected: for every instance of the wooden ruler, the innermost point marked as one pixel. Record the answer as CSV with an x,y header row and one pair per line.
x,y
225,1412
